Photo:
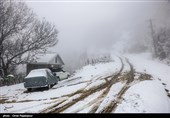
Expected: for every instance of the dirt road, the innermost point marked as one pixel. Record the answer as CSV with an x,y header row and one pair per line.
x,y
126,77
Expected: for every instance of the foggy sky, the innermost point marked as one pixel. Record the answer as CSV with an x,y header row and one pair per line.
x,y
96,26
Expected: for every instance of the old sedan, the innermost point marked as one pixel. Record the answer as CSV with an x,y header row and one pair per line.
x,y
39,78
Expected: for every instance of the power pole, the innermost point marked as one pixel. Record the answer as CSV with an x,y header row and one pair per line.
x,y
153,37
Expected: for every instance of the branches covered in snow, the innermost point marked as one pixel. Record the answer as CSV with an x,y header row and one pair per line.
x,y
22,35
161,42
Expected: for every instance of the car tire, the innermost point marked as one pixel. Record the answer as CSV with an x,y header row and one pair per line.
x,y
49,86
53,85
29,89
58,78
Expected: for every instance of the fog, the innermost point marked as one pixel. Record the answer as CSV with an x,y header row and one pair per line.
x,y
95,27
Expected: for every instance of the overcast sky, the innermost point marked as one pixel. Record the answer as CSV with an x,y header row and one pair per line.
x,y
98,25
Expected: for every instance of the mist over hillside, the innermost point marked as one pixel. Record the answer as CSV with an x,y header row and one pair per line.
x,y
87,28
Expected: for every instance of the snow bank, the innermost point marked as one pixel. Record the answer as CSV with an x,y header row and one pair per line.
x,y
145,64
147,96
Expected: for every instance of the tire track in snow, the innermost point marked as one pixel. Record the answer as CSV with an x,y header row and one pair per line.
x,y
113,105
86,93
114,80
71,94
47,110
90,103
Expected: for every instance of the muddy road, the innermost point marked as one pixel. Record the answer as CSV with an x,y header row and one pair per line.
x,y
123,76
96,93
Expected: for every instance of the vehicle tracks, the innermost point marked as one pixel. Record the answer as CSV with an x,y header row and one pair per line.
x,y
129,77
120,76
85,93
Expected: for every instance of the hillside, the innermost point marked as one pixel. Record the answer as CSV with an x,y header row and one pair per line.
x,y
127,84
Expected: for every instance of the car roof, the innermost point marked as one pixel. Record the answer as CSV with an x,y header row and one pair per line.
x,y
38,72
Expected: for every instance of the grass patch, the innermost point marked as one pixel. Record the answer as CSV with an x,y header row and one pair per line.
x,y
144,76
2,101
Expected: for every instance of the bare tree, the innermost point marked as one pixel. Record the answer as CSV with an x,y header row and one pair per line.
x,y
22,35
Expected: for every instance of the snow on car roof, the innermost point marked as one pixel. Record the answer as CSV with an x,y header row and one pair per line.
x,y
37,72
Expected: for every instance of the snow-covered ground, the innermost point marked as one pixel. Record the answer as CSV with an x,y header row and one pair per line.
x,y
99,88
147,96
144,63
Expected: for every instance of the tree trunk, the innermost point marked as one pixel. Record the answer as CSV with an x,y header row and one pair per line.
x,y
5,68
5,71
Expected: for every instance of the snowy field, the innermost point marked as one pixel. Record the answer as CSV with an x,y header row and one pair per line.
x,y
128,84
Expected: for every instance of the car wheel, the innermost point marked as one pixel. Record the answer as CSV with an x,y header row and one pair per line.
x,y
58,78
53,85
29,89
49,86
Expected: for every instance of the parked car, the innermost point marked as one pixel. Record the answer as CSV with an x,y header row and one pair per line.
x,y
39,78
62,74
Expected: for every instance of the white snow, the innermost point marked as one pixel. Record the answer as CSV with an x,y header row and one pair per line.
x,y
69,100
147,96
114,90
29,107
39,98
90,71
86,110
83,104
94,84
37,72
144,63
